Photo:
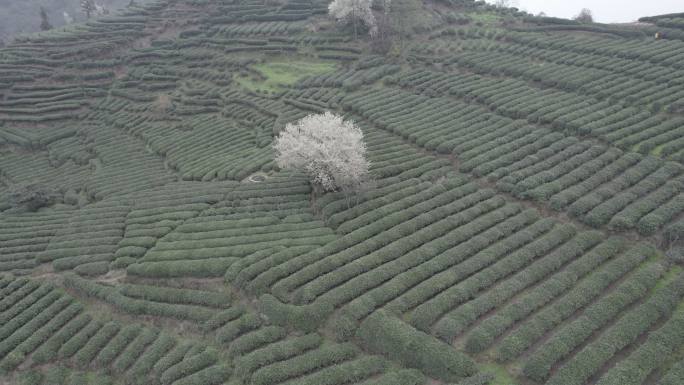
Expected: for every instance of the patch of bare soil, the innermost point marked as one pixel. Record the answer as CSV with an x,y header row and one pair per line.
x,y
112,277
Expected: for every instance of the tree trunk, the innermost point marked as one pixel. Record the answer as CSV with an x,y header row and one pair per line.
x,y
354,22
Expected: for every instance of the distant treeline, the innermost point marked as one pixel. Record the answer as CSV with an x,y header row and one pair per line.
x,y
23,16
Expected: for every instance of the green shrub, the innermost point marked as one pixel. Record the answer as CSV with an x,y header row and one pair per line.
x,y
345,372
307,362
178,296
133,351
256,339
92,269
70,347
272,353
56,375
674,375
189,366
116,345
582,294
455,322
539,364
662,343
424,315
154,353
306,318
40,336
172,357
385,334
213,375
398,377
622,333
49,349
22,299
228,332
484,334
88,352
214,267
27,321
33,196
221,318
478,379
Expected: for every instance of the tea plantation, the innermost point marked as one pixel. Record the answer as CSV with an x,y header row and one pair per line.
x,y
524,226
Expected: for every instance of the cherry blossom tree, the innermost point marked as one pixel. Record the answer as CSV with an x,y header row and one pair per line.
x,y
328,148
354,11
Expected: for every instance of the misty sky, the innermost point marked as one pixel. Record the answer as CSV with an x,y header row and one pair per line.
x,y
604,11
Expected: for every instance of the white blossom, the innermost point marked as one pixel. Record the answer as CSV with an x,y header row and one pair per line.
x,y
346,11
67,18
329,149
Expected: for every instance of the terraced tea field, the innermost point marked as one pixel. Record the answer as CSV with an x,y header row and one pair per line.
x,y
525,224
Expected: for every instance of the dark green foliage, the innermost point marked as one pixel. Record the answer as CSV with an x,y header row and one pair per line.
x,y
385,334
179,296
489,329
154,353
213,375
116,345
133,351
171,358
189,366
279,351
30,377
582,294
478,379
424,315
92,269
620,334
538,365
256,339
49,350
317,359
33,196
138,306
88,352
39,336
306,318
661,343
674,375
457,320
399,377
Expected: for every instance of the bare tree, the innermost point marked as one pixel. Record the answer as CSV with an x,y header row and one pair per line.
x,y
329,149
88,7
44,22
382,41
100,9
32,196
354,11
404,15
585,16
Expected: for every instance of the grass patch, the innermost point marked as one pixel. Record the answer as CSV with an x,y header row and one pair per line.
x,y
485,18
659,150
277,75
668,277
501,374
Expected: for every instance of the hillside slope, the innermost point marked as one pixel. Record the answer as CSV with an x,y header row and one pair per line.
x,y
17,17
525,225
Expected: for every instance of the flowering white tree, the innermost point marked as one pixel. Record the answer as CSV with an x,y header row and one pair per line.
x,y
89,8
354,11
328,148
